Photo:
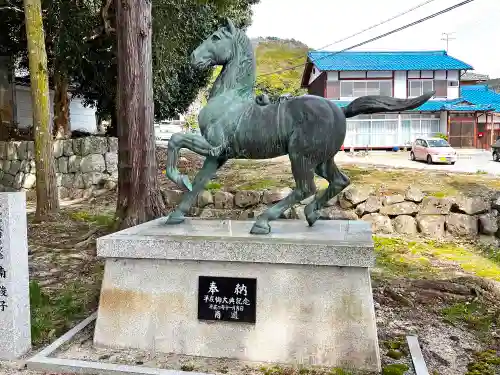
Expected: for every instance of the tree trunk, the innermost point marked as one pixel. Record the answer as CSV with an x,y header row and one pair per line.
x,y
139,196
46,186
61,128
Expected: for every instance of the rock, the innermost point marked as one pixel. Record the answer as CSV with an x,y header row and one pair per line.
x,y
18,181
3,152
172,197
22,150
431,225
379,223
63,193
308,200
62,164
113,145
6,165
94,145
413,194
471,205
29,181
393,199
110,185
357,194
59,179
297,212
275,195
74,162
337,213
461,225
488,224
403,208
93,178
490,241
332,202
79,182
405,224
68,147
361,209
30,150
25,166
344,203
436,206
10,151
496,204
77,146
246,198
15,166
68,180
204,199
111,160
223,200
93,163
58,148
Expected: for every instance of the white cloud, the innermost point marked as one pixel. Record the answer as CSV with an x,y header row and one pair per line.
x,y
320,22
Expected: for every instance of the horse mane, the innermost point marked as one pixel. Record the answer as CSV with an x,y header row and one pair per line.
x,y
239,72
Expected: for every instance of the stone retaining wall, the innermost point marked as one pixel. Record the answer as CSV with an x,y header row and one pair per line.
x,y
411,213
82,165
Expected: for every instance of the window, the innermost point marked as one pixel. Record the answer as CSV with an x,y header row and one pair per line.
x,y
379,130
418,126
453,83
420,86
354,89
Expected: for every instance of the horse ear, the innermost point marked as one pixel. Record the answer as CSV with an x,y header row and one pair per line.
x,y
230,26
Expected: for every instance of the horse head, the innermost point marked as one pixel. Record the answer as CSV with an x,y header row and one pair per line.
x,y
217,49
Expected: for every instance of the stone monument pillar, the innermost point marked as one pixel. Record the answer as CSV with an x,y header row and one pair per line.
x,y
301,295
15,327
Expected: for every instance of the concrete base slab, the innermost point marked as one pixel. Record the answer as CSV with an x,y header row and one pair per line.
x,y
43,362
313,303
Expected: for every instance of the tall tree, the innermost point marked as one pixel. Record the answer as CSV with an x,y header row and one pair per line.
x,y
139,197
46,187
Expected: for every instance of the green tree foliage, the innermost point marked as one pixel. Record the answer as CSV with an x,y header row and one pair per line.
x,y
273,55
82,38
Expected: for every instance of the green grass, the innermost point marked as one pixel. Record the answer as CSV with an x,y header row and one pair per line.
x,y
100,219
485,363
52,316
473,314
400,258
213,186
395,369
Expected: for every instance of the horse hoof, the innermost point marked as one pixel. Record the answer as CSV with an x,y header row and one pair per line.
x,y
185,183
260,228
312,218
175,218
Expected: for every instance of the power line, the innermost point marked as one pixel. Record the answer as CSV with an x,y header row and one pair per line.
x,y
379,24
377,37
447,37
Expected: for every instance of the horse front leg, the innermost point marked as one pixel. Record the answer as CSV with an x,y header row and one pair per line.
x,y
210,166
193,142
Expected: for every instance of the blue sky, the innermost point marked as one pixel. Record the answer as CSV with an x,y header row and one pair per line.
x,y
476,26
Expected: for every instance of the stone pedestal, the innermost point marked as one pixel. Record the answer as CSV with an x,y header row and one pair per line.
x,y
313,300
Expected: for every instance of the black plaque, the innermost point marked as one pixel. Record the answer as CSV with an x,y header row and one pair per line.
x,y
231,299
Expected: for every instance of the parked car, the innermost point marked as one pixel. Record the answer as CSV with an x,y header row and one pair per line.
x,y
495,148
433,150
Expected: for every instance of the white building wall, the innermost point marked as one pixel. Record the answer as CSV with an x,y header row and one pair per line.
x,y
400,90
314,74
444,122
81,118
453,84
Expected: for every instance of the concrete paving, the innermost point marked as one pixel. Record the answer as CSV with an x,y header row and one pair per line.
x,y
469,161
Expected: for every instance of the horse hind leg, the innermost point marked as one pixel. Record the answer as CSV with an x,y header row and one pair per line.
x,y
337,181
302,170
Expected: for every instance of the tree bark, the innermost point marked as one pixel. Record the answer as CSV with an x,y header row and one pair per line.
x,y
61,128
46,185
139,196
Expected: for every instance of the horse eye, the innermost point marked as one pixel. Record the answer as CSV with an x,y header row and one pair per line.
x,y
215,38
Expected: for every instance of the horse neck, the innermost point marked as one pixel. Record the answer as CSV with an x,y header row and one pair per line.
x,y
237,75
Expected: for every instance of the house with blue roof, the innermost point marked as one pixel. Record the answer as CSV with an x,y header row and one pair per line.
x,y
465,114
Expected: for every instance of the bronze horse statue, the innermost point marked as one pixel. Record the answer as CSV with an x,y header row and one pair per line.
x,y
310,129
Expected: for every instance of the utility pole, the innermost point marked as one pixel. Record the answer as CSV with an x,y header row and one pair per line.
x,y
447,37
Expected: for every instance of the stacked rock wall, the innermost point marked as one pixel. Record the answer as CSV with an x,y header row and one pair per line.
x,y
82,165
410,213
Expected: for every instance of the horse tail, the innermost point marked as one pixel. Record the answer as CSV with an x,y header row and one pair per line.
x,y
375,104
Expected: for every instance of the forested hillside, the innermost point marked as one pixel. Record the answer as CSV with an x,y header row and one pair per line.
x,y
275,54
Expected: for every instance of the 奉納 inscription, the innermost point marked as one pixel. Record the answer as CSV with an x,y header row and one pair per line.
x,y
3,271
227,299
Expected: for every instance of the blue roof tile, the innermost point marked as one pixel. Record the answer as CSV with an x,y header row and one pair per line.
x,y
481,95
405,60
